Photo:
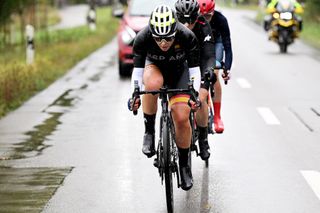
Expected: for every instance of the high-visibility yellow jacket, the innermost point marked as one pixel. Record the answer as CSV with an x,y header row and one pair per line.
x,y
271,7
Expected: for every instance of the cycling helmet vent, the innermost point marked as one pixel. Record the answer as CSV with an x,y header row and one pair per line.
x,y
206,6
187,8
162,21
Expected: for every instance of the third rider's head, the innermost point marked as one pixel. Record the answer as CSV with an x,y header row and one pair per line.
x,y
207,8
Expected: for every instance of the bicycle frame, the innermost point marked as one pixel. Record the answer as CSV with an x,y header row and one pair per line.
x,y
167,152
166,118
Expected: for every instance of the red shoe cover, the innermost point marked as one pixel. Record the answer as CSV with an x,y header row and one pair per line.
x,y
218,125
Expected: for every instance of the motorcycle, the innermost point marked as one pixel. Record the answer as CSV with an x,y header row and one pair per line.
x,y
285,25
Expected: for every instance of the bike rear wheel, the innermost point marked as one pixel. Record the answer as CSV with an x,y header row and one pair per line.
x,y
210,110
167,141
194,132
210,121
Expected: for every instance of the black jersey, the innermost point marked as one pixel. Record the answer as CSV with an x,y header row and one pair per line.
x,y
203,32
220,29
185,48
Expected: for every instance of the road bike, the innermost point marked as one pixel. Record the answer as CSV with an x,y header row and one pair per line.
x,y
167,152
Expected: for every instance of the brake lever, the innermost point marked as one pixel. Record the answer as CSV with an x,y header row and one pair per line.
x,y
135,95
226,74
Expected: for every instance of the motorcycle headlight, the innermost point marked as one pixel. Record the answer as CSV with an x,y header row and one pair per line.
x,y
286,15
275,15
128,35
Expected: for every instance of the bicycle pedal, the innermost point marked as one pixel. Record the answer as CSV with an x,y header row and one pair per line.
x,y
174,169
193,147
211,132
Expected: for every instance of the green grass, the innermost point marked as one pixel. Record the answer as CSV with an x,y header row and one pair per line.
x,y
311,33
54,57
14,38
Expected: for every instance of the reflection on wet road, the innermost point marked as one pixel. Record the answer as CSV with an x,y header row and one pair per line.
x,y
34,144
28,189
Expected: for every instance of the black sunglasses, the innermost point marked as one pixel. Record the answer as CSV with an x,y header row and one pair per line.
x,y
166,38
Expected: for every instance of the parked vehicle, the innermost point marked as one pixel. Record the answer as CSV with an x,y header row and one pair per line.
x,y
132,21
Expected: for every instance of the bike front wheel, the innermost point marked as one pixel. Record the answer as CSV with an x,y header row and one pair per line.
x,y
167,141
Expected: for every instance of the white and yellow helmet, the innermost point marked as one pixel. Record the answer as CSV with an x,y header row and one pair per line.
x,y
163,21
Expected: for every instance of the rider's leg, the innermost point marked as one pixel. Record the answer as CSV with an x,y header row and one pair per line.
x,y
202,123
218,124
267,22
202,113
153,80
180,114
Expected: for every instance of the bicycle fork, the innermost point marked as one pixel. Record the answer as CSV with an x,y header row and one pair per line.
x,y
159,160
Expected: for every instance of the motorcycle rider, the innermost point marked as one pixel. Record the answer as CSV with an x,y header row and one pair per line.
x,y
166,53
188,12
272,8
221,33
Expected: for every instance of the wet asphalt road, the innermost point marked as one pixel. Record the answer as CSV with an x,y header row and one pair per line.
x,y
75,147
72,16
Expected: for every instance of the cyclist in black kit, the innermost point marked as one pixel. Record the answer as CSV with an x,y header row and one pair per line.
x,y
221,33
166,53
188,14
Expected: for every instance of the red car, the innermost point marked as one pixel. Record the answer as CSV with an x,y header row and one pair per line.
x,y
133,20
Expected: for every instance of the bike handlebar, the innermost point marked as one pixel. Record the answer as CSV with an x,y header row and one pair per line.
x,y
226,73
164,90
134,96
221,66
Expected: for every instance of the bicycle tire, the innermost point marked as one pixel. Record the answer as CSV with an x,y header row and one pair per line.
x,y
210,121
194,133
167,140
210,110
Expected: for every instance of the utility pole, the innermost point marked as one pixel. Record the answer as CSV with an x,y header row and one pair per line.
x,y
30,44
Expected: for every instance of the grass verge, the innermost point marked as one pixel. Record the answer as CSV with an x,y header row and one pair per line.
x,y
54,57
311,33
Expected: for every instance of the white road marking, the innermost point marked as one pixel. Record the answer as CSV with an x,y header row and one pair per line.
x,y
243,83
313,179
268,116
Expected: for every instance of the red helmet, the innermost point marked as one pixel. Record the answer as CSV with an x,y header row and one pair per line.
x,y
206,6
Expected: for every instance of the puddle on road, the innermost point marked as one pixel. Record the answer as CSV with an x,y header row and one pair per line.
x,y
63,100
34,144
29,189
96,77
102,68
